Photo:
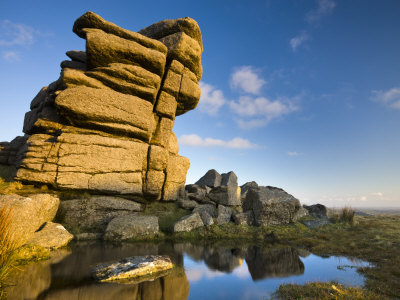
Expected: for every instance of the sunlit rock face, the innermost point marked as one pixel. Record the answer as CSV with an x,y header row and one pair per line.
x,y
106,124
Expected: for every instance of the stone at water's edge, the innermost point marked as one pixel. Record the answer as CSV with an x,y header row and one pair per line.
x,y
93,214
188,223
51,236
29,213
131,226
132,269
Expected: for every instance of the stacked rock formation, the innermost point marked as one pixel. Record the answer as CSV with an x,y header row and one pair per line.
x,y
106,124
217,197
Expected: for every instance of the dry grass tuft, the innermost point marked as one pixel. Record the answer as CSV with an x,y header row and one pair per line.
x,y
324,290
7,247
347,215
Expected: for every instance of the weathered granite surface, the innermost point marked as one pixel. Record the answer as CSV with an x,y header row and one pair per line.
x,y
105,125
131,269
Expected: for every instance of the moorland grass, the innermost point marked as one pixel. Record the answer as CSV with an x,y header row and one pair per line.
x,y
7,248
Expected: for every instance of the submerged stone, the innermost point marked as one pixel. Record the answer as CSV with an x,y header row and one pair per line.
x,y
133,269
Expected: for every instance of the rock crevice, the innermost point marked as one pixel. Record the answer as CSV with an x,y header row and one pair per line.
x,y
106,124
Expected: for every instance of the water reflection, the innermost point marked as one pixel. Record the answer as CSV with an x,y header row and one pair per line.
x,y
204,271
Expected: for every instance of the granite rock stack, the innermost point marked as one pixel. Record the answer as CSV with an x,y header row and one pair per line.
x,y
105,126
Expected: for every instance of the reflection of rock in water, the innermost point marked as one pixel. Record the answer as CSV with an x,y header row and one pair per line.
x,y
30,280
174,286
224,259
278,262
221,259
75,269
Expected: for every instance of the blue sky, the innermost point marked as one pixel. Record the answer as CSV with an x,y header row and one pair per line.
x,y
299,94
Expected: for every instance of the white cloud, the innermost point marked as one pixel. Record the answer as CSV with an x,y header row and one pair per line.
x,y
247,79
261,110
298,40
325,7
211,99
390,97
193,140
363,198
10,56
15,34
294,153
378,194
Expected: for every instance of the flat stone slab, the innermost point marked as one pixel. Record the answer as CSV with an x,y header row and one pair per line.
x,y
133,269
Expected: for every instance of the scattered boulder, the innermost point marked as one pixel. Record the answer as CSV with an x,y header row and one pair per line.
x,y
29,213
212,179
226,195
317,210
301,213
229,179
132,269
206,218
187,204
245,187
244,218
51,236
130,227
188,223
93,214
209,208
224,214
271,206
196,192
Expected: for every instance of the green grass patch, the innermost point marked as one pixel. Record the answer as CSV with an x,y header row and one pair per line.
x,y
168,213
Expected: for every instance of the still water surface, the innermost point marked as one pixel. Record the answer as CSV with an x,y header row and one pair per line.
x,y
223,271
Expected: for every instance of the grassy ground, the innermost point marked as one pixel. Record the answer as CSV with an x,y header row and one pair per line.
x,y
372,238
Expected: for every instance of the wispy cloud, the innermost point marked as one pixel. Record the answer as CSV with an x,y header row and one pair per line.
x,y
211,99
390,98
259,111
246,79
325,7
294,153
194,140
299,40
10,56
16,34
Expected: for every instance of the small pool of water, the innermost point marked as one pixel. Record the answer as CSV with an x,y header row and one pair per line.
x,y
218,271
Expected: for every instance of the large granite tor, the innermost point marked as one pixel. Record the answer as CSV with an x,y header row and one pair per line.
x,y
106,124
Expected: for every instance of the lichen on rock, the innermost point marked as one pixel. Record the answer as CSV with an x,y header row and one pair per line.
x,y
105,126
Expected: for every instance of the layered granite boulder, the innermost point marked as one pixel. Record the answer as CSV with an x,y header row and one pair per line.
x,y
105,125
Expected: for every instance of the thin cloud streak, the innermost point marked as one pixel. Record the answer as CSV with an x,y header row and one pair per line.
x,y
299,40
11,56
325,7
194,140
16,34
294,153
